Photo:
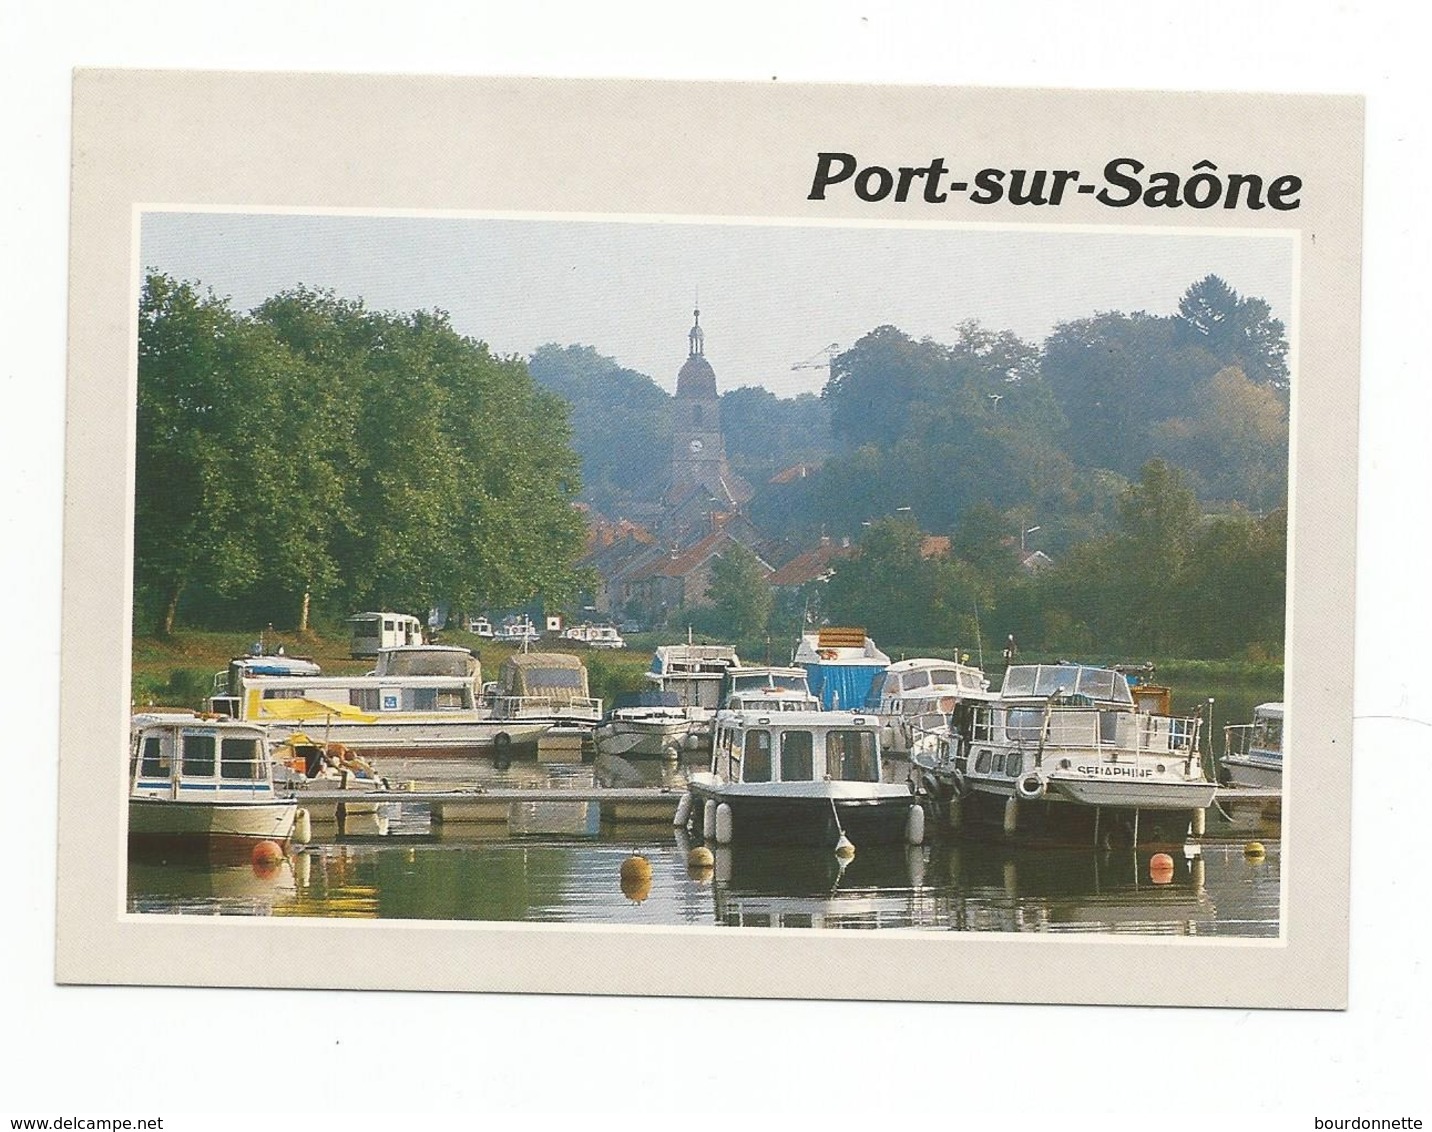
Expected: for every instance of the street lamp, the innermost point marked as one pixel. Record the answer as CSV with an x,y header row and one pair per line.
x,y
1023,533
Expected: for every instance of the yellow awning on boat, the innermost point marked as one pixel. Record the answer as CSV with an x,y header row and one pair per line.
x,y
303,708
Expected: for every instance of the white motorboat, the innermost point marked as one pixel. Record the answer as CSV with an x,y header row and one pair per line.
x,y
919,698
596,636
1065,752
420,700
799,777
1253,752
197,781
764,688
547,688
644,725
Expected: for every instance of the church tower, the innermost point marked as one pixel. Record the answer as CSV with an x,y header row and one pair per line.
x,y
698,454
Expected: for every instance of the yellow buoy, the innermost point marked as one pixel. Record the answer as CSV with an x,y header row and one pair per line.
x,y
701,858
844,849
636,878
1254,850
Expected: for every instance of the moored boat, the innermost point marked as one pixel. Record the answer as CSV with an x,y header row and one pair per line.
x,y
644,725
799,778
766,688
841,665
420,700
199,782
1064,753
1253,752
920,697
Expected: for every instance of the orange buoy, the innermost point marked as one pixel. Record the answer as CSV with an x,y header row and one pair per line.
x,y
265,858
1161,868
636,878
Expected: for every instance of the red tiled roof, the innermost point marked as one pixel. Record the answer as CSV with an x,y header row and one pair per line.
x,y
809,566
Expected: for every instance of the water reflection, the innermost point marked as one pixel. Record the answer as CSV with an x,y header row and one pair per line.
x,y
475,872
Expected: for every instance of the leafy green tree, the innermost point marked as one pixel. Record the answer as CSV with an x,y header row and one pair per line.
x,y
1237,331
739,593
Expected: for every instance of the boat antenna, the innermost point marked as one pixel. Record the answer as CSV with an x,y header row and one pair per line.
x,y
979,641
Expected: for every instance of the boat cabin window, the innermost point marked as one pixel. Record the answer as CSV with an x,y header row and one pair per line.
x,y
797,756
982,762
920,678
1024,725
198,758
983,727
758,757
850,757
1268,733
154,761
944,676
284,693
239,758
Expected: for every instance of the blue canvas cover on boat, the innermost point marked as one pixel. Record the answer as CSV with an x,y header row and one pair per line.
x,y
844,685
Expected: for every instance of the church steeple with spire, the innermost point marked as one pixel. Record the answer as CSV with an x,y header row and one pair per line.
x,y
698,457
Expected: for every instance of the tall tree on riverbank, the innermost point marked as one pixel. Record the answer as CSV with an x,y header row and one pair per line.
x,y
365,458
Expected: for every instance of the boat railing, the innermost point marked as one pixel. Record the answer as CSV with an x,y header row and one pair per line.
x,y
1237,739
1110,733
526,707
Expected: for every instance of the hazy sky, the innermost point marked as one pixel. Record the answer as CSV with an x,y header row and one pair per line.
x,y
772,295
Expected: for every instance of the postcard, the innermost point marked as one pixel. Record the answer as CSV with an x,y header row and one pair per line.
x,y
710,539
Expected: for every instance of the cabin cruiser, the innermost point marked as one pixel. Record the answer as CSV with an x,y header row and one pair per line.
x,y
841,664
1063,749
919,698
419,700
517,631
1253,752
547,687
799,777
764,688
197,781
695,675
649,724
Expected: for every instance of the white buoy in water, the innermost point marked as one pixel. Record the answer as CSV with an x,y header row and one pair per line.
x,y
1200,822
724,825
302,828
915,826
1011,814
708,819
683,811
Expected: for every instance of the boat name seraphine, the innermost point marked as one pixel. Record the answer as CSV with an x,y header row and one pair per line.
x,y
1109,771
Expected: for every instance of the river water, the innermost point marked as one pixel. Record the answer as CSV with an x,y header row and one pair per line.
x,y
558,863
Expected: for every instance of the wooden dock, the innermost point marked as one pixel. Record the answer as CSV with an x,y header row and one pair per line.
x,y
495,804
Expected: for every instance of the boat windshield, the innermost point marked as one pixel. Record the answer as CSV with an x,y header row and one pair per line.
x,y
1267,733
1044,680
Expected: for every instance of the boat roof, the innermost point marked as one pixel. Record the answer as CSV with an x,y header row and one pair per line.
x,y
714,659
544,660
765,670
839,646
180,717
1269,710
277,665
1041,681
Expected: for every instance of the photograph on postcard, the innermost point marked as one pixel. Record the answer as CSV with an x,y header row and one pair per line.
x,y
563,570
833,554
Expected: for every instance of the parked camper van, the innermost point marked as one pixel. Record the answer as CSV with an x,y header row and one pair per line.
x,y
375,631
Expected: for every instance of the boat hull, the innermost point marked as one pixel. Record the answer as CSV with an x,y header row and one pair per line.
x,y
1143,795
641,738
418,739
783,819
1056,821
1251,772
155,822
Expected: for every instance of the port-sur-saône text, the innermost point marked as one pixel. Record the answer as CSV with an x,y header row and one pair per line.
x,y
1123,182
